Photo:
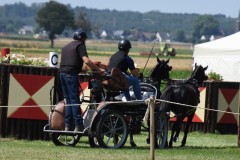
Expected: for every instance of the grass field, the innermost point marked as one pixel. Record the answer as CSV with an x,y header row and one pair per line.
x,y
102,50
200,146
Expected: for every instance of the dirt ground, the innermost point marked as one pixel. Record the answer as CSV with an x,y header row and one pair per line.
x,y
177,64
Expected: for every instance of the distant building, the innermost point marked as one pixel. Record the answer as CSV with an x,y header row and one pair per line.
x,y
103,34
26,30
118,34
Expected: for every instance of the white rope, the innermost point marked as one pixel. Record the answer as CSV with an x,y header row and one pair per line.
x,y
116,102
215,110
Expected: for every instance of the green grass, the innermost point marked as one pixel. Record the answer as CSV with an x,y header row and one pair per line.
x,y
174,74
200,146
29,45
178,74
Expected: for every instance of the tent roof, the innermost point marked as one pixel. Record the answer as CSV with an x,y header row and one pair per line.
x,y
229,45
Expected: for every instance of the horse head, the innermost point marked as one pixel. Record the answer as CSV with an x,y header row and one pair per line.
x,y
199,74
161,70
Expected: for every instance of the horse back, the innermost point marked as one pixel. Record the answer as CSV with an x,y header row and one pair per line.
x,y
184,93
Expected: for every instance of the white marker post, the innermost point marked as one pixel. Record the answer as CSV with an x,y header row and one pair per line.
x,y
53,59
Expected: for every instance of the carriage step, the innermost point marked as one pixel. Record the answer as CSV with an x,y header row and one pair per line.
x,y
62,132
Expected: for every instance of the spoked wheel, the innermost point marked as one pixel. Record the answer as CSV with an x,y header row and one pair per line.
x,y
112,130
161,129
67,140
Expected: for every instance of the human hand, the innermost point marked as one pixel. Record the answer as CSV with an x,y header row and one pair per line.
x,y
101,71
140,76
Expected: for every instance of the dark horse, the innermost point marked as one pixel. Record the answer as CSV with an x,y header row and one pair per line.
x,y
184,92
158,73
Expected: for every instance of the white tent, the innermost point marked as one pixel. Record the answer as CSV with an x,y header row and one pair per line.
x,y
221,56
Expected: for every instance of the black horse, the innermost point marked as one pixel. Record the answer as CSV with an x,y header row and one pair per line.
x,y
184,92
157,74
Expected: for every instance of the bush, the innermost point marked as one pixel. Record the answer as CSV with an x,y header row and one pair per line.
x,y
214,76
21,59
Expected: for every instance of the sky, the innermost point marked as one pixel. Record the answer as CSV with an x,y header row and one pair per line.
x,y
230,8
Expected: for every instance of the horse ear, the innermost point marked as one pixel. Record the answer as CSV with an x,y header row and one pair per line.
x,y
195,65
205,68
158,60
167,60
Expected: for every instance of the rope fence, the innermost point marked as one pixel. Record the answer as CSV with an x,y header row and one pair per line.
x,y
118,102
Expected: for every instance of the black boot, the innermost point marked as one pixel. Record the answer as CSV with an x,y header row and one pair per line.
x,y
79,128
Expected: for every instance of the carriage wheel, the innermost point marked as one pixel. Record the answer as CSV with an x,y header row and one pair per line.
x,y
112,131
161,129
93,141
67,140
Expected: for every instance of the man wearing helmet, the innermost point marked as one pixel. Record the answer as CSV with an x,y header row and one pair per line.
x,y
122,61
74,54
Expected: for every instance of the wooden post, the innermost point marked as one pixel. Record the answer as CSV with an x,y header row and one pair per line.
x,y
152,129
238,123
239,116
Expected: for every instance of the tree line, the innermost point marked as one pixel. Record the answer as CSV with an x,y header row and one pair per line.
x,y
184,27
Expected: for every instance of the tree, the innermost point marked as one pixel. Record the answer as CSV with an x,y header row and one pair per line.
x,y
54,18
205,25
180,36
83,23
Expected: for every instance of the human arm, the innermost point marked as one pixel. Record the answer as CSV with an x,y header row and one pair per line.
x,y
90,64
134,71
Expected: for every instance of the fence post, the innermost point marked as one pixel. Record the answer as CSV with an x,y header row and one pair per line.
x,y
239,123
152,128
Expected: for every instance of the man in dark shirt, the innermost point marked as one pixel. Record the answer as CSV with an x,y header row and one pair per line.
x,y
73,56
123,62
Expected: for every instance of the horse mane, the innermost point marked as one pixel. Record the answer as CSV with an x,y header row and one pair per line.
x,y
153,70
194,73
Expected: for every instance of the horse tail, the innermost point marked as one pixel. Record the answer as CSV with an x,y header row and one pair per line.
x,y
166,96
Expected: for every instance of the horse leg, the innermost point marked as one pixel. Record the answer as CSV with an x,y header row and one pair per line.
x,y
175,131
132,143
190,117
178,128
172,133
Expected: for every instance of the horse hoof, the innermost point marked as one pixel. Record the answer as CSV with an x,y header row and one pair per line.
x,y
133,144
148,141
175,139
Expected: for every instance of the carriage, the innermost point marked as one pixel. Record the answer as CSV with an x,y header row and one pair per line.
x,y
108,120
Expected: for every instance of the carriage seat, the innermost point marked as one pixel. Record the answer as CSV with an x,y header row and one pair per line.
x,y
116,82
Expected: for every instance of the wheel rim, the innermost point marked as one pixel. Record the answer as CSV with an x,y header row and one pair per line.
x,y
112,131
161,130
67,140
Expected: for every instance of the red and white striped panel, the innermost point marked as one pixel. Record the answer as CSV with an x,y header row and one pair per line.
x,y
33,90
228,100
86,94
29,90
